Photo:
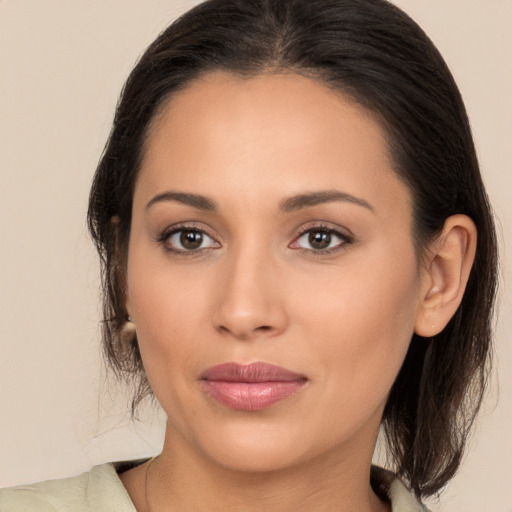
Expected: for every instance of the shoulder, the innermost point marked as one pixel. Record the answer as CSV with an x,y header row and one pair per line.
x,y
98,490
389,487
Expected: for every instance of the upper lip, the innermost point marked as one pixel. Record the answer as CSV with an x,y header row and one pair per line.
x,y
253,372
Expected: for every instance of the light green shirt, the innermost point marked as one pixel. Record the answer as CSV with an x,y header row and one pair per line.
x,y
101,490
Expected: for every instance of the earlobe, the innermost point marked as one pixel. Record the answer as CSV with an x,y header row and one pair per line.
x,y
446,275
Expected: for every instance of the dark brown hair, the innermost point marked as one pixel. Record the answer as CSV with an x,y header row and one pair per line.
x,y
371,51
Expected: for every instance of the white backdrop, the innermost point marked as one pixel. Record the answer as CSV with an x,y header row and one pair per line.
x,y
62,65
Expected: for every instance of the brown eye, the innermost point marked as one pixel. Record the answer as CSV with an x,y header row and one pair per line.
x,y
319,239
188,240
191,239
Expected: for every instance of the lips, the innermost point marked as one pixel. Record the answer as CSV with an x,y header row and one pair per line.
x,y
251,387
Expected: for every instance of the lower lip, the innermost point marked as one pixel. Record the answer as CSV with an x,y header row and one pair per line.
x,y
251,396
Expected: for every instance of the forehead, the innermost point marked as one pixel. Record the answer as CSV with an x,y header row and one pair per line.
x,y
225,107
282,130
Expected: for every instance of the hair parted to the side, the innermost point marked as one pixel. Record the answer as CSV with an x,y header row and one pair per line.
x,y
371,51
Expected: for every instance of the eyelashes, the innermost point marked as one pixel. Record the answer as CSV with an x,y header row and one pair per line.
x,y
321,239
189,239
186,239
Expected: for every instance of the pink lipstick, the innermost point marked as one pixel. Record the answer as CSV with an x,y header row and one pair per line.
x,y
250,387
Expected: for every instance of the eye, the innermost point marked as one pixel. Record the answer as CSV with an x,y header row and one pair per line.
x,y
187,240
320,239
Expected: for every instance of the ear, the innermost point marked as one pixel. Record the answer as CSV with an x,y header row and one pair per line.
x,y
120,271
445,275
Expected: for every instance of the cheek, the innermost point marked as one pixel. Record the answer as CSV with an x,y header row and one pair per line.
x,y
363,321
167,323
166,308
169,337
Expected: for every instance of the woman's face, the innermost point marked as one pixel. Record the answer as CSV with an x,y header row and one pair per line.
x,y
269,227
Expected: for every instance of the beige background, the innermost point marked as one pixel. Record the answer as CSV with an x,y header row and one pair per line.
x,y
62,65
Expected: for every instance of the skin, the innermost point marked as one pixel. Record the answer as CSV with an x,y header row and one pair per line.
x,y
257,291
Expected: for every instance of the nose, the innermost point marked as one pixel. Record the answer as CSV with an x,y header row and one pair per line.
x,y
250,300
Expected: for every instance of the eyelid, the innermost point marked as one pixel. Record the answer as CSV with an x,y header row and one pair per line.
x,y
166,233
344,234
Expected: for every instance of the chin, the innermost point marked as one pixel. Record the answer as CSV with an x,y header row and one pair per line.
x,y
253,459
255,448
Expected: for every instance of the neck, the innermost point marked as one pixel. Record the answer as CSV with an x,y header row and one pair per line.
x,y
182,479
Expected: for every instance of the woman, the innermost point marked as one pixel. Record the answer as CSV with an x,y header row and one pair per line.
x,y
287,214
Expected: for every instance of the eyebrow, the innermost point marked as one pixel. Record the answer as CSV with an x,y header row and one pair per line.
x,y
309,199
195,200
289,205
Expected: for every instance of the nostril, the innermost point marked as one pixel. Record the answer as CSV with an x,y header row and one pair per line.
x,y
263,328
243,333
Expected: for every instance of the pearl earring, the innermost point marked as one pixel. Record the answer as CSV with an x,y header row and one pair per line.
x,y
129,325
